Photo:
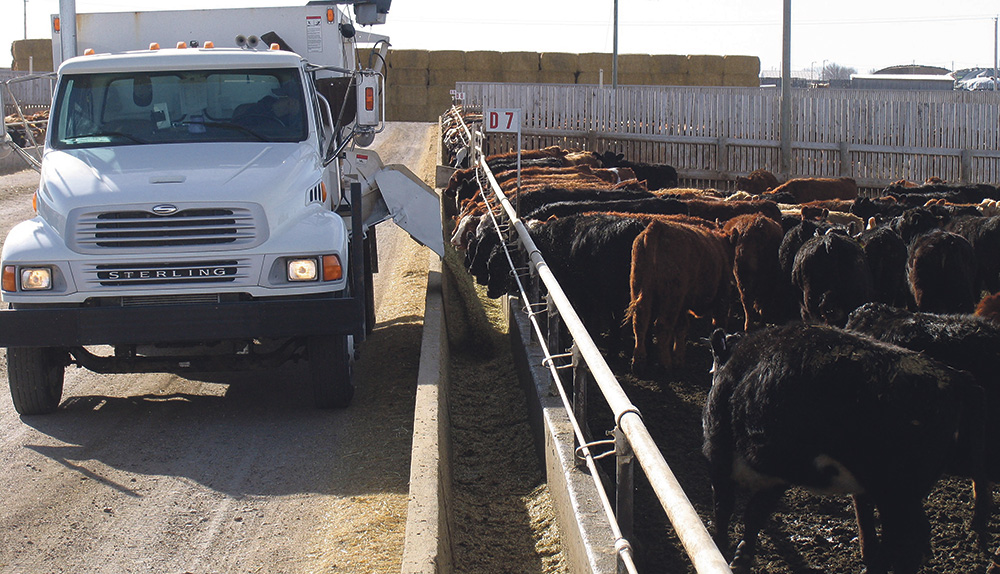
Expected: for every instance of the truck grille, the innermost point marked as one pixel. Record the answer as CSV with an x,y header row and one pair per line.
x,y
218,227
166,274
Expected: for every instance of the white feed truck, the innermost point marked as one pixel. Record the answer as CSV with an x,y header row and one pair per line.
x,y
203,207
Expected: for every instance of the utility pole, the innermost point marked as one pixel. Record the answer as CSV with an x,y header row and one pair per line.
x,y
25,19
785,103
614,57
996,43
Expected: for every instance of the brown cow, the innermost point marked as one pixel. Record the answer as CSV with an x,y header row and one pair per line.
x,y
726,210
989,307
809,189
755,239
757,182
677,270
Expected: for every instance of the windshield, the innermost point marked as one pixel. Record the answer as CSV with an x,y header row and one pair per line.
x,y
134,108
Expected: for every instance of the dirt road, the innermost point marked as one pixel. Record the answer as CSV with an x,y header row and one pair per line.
x,y
234,473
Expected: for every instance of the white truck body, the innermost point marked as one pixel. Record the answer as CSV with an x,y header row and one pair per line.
x,y
204,198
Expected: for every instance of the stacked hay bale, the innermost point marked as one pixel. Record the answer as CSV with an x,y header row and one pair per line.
x,y
520,68
741,71
558,68
704,70
419,82
445,69
589,67
671,70
634,70
407,85
31,55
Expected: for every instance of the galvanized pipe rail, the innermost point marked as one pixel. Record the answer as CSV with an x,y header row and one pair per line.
x,y
631,435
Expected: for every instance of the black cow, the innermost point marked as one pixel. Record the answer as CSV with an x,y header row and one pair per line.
x,y
886,254
941,270
983,233
962,341
915,222
533,200
590,256
832,273
657,176
652,205
838,413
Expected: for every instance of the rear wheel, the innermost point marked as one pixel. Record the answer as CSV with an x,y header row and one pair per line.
x,y
331,370
35,375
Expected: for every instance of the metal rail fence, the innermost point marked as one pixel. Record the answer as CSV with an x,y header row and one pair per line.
x,y
714,134
32,92
585,362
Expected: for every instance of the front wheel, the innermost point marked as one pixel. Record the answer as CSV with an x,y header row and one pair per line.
x,y
331,370
36,378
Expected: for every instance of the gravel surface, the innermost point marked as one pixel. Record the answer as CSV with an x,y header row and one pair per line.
x,y
223,473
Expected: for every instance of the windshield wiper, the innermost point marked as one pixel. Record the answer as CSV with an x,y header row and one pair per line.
x,y
107,134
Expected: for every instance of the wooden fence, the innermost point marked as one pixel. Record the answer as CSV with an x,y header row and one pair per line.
x,y
32,95
711,135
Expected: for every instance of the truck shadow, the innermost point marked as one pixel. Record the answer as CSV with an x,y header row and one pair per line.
x,y
261,436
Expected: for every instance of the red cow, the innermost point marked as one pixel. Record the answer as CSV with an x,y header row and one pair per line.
x,y
677,270
757,182
755,239
804,190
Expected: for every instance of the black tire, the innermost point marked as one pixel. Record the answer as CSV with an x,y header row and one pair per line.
x,y
331,370
35,375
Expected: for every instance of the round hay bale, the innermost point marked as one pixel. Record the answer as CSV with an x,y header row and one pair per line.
x,y
741,65
409,59
520,61
635,64
669,64
484,60
446,60
558,62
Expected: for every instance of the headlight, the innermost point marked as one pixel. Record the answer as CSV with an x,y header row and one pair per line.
x,y
36,278
302,270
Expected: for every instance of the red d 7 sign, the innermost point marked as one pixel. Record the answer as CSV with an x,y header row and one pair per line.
x,y
502,120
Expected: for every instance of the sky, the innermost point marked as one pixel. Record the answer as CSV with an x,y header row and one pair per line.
x,y
862,34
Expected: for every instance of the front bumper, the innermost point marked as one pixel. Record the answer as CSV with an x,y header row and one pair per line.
x,y
188,323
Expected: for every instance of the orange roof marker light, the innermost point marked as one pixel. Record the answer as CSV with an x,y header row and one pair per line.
x,y
275,46
181,45
209,45
154,45
88,52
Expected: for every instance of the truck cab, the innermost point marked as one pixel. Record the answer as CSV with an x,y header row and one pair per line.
x,y
200,209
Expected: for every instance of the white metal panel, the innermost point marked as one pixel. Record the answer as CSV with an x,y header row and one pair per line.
x,y
305,29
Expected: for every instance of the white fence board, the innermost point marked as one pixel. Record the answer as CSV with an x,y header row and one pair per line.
x,y
875,136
